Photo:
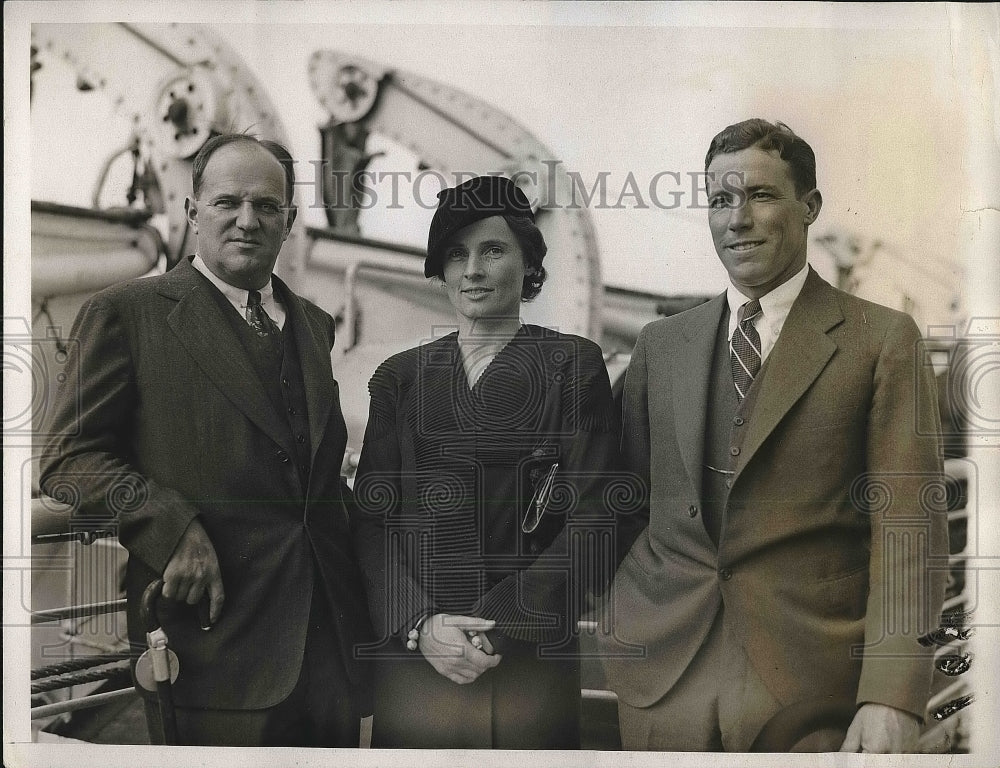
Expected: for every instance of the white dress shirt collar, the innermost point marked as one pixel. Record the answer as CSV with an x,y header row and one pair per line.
x,y
774,309
238,296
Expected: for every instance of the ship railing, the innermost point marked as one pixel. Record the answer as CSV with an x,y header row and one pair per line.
x,y
952,694
52,524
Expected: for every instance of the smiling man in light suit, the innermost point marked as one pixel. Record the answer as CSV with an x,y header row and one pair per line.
x,y
789,439
210,426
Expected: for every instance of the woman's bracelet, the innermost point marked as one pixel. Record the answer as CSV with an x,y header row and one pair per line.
x,y
413,636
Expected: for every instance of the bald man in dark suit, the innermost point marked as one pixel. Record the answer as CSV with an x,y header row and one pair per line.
x,y
210,426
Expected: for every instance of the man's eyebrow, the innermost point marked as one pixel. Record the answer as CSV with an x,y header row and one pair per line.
x,y
234,196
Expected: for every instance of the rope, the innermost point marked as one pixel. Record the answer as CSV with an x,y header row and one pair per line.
x,y
75,678
72,665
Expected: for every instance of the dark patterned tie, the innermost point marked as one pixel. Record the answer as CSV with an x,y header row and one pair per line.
x,y
260,321
744,348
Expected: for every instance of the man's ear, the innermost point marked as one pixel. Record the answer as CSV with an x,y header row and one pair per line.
x,y
814,202
191,209
290,215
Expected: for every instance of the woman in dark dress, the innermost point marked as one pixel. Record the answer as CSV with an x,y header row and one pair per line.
x,y
480,517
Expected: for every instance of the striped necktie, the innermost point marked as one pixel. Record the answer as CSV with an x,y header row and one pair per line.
x,y
744,348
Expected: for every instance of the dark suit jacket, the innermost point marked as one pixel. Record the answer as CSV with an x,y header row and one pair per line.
x,y
835,505
163,418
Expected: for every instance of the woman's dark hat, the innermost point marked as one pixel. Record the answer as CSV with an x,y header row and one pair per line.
x,y
475,199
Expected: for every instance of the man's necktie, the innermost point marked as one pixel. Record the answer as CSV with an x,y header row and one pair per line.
x,y
265,328
744,348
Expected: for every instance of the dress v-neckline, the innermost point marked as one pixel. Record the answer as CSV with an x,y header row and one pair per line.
x,y
470,387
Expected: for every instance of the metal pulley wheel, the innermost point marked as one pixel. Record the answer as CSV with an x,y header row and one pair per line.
x,y
188,106
346,88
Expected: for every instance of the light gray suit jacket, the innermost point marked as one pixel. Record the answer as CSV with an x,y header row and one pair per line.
x,y
834,515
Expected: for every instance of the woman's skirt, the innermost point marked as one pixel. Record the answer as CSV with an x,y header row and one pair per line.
x,y
528,701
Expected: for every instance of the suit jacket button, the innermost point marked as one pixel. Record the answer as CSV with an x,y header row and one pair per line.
x,y
283,457
734,451
693,510
738,421
285,381
725,574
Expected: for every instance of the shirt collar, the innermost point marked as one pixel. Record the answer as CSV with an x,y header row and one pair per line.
x,y
775,305
231,292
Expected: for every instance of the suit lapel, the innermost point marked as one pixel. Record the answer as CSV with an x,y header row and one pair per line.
x,y
691,382
198,322
314,357
800,354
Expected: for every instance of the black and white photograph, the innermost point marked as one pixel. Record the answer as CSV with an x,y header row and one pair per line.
x,y
455,382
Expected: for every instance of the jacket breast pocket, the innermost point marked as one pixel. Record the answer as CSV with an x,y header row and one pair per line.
x,y
541,494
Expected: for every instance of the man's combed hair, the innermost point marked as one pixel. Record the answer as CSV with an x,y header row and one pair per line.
x,y
280,153
770,137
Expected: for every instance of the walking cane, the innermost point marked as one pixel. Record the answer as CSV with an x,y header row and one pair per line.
x,y
157,667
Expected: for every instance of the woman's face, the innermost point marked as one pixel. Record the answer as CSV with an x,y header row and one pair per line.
x,y
484,270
